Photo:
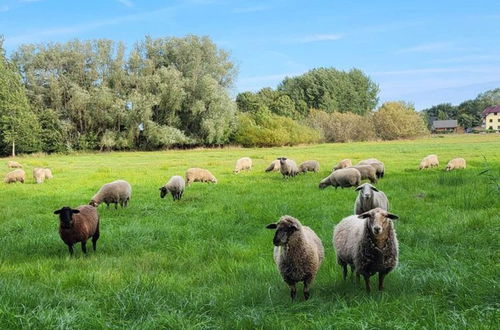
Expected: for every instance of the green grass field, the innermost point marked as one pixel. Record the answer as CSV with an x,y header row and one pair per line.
x,y
206,261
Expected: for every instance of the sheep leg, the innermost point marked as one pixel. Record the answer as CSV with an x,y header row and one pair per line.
x,y
70,248
358,278
307,285
95,237
293,290
84,247
381,276
116,206
367,282
107,205
344,271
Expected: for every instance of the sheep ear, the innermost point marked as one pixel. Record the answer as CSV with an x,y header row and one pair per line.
x,y
365,215
392,216
57,212
75,211
272,226
358,188
374,188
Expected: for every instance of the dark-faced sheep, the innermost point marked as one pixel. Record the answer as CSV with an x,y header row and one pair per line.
x,y
116,192
175,186
298,253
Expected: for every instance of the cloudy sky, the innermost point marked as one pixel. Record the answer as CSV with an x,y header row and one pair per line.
x,y
425,52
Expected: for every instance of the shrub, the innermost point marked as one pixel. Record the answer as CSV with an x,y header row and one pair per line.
x,y
398,120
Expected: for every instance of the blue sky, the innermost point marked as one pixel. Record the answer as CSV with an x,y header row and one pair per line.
x,y
425,52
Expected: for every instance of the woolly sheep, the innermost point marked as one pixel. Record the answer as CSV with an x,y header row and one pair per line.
x,y
118,191
455,164
39,175
367,243
199,175
367,172
370,197
48,173
309,166
429,162
274,166
378,165
13,164
345,177
288,167
78,225
298,253
175,186
15,176
244,163
342,164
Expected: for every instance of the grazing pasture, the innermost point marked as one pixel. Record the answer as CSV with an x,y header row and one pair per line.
x,y
206,261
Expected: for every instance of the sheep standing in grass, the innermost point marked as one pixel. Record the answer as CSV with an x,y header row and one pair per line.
x,y
298,253
377,164
367,243
39,175
118,191
345,177
368,172
309,166
48,173
429,162
199,175
175,186
342,164
274,166
15,176
455,164
78,225
13,164
242,164
369,198
288,167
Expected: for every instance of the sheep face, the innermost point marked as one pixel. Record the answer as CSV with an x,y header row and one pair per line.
x,y
66,216
378,221
282,160
284,229
93,203
163,192
366,191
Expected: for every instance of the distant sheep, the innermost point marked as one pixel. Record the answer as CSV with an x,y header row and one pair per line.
x,y
274,166
48,173
288,167
117,192
377,164
367,243
298,253
367,172
370,197
242,164
345,177
455,164
175,186
429,162
78,225
199,175
15,176
13,164
342,164
309,166
39,175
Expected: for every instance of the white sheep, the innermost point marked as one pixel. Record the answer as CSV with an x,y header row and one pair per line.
x,y
342,164
309,166
429,162
39,175
242,164
274,166
175,186
370,197
14,164
367,172
199,175
288,167
345,177
455,163
118,191
15,176
377,164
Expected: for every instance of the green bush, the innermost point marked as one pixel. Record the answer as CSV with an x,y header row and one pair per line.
x,y
398,120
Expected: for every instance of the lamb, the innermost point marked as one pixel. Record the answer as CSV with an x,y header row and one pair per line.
x,y
368,243
199,175
367,172
288,167
378,165
298,253
39,175
15,176
369,198
274,166
342,164
455,164
345,177
78,225
118,191
309,166
175,186
13,164
429,162
244,163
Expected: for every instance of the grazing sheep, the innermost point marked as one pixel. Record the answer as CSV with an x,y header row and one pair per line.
x,y
48,173
369,198
242,164
15,176
39,175
118,191
309,166
199,175
345,177
78,225
298,253
429,162
175,186
378,165
13,164
455,164
342,164
288,167
367,243
274,166
367,172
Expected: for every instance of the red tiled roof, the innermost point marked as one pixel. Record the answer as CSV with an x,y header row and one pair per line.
x,y
495,108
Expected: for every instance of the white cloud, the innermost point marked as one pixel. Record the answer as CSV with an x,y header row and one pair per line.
x,y
319,37
430,47
126,3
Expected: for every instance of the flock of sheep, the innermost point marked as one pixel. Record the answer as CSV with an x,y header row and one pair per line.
x,y
366,241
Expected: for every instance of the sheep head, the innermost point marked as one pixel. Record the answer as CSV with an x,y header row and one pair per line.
x,y
66,216
285,228
378,221
366,191
163,192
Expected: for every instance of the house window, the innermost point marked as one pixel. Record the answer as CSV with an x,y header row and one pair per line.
x,y
491,120
498,120
495,113
491,127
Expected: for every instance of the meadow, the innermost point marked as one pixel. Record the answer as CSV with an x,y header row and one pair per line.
x,y
206,261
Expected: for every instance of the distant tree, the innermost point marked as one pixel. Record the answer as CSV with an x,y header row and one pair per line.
x,y
398,120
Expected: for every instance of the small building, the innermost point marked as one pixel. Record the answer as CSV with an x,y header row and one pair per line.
x,y
491,118
445,126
